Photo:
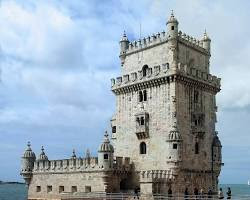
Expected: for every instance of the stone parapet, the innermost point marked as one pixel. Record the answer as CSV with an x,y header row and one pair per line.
x,y
192,42
78,165
147,42
159,38
155,73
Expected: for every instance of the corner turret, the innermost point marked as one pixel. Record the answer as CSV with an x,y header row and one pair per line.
x,y
206,42
105,153
124,42
28,160
175,146
172,27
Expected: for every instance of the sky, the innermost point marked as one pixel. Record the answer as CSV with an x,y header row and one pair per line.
x,y
57,58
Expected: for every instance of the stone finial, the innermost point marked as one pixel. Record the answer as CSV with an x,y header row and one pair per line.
x,y
172,13
124,36
106,135
205,36
28,146
87,154
73,154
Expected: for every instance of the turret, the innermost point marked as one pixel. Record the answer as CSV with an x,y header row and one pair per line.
x,y
42,155
174,147
206,42
28,160
105,154
172,27
216,154
124,42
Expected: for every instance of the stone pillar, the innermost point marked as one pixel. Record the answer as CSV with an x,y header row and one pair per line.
x,y
146,190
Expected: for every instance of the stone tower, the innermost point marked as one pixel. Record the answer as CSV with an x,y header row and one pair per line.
x,y
166,112
28,160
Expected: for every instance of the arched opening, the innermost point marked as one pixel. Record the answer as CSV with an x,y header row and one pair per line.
x,y
196,148
145,95
126,185
142,121
143,148
144,70
140,96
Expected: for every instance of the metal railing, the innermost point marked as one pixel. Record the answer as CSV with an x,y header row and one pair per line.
x,y
130,196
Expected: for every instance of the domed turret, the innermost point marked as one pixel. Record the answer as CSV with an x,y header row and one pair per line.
x,y
216,150
105,153
172,26
124,43
42,155
206,41
28,160
175,145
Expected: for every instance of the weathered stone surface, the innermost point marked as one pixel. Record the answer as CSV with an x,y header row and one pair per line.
x,y
163,128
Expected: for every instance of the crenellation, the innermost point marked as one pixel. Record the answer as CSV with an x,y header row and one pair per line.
x,y
146,42
191,41
161,71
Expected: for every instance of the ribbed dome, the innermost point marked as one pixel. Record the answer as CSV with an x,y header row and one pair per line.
x,y
172,19
29,153
216,142
43,155
174,134
106,146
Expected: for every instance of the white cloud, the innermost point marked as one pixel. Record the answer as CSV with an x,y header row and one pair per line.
x,y
58,57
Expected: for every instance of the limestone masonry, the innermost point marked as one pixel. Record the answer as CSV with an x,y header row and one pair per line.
x,y
163,129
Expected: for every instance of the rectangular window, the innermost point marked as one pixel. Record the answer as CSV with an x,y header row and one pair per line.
x,y
38,188
174,146
74,189
61,189
87,188
49,188
172,27
142,121
114,129
106,156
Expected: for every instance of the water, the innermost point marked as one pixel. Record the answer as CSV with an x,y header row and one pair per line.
x,y
13,192
19,192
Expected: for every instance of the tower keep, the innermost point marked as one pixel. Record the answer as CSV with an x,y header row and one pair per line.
x,y
166,112
163,130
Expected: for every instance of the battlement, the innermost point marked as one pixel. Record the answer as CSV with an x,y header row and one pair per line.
x,y
161,37
78,164
164,70
191,41
146,42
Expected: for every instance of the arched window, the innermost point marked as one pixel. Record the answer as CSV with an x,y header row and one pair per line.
x,y
144,70
142,121
196,148
140,96
196,96
143,148
145,95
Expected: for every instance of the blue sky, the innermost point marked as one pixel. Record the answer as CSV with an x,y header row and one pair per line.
x,y
57,58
